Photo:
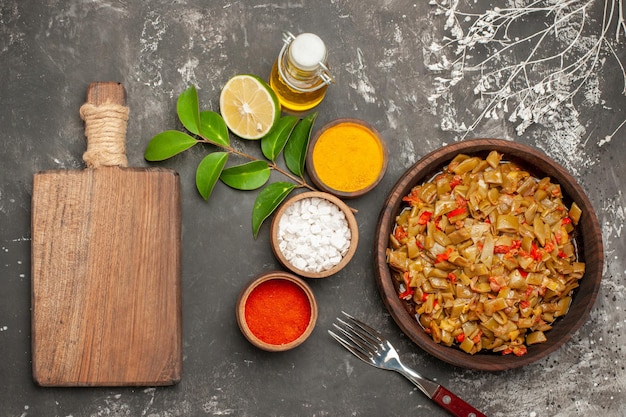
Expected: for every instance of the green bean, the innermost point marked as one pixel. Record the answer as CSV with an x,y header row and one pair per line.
x,y
466,166
575,212
494,158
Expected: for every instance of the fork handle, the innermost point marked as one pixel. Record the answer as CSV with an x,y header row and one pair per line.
x,y
454,404
439,394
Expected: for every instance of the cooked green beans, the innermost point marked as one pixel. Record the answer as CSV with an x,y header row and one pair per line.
x,y
485,253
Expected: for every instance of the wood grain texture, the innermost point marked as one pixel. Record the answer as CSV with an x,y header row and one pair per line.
x,y
589,240
106,295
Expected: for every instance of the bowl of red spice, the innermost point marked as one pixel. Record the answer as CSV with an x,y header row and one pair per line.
x,y
276,311
347,158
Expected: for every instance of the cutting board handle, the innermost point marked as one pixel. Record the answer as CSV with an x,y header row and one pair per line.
x,y
106,116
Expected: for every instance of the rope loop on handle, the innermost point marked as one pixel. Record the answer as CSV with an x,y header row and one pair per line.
x,y
105,129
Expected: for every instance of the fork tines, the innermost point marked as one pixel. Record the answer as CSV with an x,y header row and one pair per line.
x,y
359,338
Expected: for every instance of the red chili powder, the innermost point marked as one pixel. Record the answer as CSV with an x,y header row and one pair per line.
x,y
277,311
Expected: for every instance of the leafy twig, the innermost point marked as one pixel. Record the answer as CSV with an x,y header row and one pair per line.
x,y
272,165
518,77
621,23
289,137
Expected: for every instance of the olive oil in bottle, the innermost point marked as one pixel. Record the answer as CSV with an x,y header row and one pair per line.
x,y
300,75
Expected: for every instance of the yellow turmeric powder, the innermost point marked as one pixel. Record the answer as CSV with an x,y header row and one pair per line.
x,y
348,157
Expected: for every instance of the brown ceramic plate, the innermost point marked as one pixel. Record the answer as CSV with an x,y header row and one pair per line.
x,y
588,236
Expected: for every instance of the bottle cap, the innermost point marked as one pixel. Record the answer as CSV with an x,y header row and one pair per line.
x,y
307,51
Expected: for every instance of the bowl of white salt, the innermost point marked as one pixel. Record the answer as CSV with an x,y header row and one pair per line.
x,y
314,234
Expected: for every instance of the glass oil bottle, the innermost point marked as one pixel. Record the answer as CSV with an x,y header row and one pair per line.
x,y
300,76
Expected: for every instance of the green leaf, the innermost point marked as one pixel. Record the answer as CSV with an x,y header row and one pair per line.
x,y
267,201
213,128
208,172
188,110
274,142
249,176
296,147
167,144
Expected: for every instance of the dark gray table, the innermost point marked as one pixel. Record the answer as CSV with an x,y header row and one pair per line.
x,y
51,51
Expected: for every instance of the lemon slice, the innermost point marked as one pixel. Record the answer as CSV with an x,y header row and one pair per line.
x,y
249,106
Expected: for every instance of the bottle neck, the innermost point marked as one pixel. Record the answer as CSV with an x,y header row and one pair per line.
x,y
299,79
299,75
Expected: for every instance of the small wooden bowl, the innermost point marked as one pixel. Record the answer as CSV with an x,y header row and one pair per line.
x,y
339,124
354,231
241,311
589,243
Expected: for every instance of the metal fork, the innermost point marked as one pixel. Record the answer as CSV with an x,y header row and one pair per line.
x,y
371,347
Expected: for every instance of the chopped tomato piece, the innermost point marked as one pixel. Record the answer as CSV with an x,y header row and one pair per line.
x,y
413,198
457,211
534,252
494,284
456,180
444,256
501,249
520,350
407,294
400,233
516,350
516,244
424,217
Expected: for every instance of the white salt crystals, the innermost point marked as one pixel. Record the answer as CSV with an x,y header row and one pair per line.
x,y
313,234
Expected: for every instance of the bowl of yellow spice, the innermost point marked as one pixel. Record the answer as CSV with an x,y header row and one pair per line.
x,y
347,158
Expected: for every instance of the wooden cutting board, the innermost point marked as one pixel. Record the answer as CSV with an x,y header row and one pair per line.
x,y
106,296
